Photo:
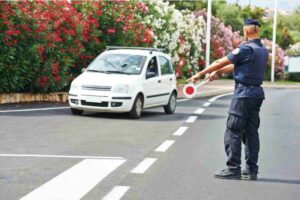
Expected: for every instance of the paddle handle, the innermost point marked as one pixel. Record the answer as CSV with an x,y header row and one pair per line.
x,y
202,83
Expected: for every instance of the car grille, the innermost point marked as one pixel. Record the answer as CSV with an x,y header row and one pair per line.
x,y
96,88
102,104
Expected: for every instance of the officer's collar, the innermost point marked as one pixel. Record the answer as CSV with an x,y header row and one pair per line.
x,y
257,40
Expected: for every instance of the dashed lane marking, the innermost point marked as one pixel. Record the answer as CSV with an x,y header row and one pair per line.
x,y
206,104
143,166
165,146
180,131
191,119
199,111
116,193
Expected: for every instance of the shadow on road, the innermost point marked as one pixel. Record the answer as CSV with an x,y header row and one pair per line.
x,y
272,180
219,105
210,117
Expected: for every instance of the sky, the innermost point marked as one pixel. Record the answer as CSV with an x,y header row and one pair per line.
x,y
286,5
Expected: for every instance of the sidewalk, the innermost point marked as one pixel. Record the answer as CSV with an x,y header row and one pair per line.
x,y
226,86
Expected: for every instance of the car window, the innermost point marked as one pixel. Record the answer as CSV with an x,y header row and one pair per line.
x,y
152,66
165,66
118,63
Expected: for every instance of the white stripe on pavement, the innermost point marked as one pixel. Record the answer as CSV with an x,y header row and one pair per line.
x,y
143,166
180,100
116,193
199,111
164,146
77,181
219,96
57,156
191,119
33,109
180,131
206,104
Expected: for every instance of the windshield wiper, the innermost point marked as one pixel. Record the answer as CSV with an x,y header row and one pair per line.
x,y
117,72
100,71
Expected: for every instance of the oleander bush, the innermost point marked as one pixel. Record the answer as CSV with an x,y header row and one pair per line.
x,y
45,44
279,61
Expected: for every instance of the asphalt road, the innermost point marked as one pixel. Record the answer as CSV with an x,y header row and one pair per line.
x,y
53,155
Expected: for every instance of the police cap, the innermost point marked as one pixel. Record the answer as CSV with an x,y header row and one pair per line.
x,y
248,22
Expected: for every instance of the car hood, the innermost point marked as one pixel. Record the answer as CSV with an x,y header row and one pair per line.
x,y
95,78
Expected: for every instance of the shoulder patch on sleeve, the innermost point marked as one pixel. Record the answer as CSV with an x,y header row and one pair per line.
x,y
236,51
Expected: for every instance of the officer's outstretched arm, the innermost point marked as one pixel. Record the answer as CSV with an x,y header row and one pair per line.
x,y
217,74
216,65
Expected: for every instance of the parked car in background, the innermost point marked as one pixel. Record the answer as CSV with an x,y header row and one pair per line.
x,y
124,79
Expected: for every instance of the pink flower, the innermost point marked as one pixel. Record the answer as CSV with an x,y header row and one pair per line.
x,y
111,31
99,13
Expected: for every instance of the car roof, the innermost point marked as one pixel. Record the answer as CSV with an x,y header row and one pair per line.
x,y
136,52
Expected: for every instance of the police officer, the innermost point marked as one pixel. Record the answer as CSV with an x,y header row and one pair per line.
x,y
248,63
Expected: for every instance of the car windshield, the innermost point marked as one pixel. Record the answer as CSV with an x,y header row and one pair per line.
x,y
118,63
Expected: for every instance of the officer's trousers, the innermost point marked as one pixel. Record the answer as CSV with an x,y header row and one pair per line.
x,y
242,126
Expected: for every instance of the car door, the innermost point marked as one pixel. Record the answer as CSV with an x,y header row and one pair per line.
x,y
167,77
153,85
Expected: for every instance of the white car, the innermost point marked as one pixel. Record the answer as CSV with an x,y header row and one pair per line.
x,y
124,79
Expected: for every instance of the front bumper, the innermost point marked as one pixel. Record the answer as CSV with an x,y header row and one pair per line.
x,y
101,103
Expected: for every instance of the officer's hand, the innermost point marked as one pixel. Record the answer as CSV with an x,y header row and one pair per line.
x,y
214,76
194,78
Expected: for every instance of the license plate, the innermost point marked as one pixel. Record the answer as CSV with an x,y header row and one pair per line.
x,y
94,99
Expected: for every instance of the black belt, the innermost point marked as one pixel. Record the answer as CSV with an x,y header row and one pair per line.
x,y
246,84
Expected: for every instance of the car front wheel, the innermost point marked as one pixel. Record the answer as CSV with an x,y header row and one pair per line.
x,y
76,112
137,108
171,107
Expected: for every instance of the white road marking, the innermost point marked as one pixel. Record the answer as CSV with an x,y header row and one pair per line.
x,y
206,104
57,156
143,166
164,146
77,181
33,109
219,96
180,100
191,119
199,111
180,131
116,193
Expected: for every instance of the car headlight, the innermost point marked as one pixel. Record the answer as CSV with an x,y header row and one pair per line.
x,y
74,87
120,89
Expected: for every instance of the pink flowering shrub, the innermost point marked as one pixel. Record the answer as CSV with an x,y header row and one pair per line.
x,y
44,45
223,38
279,60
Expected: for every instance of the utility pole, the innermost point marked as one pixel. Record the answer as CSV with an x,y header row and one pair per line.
x,y
274,42
208,26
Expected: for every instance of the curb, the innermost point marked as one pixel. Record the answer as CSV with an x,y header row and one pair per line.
x,y
281,86
30,97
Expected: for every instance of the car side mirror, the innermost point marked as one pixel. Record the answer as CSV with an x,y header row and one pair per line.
x,y
150,75
83,70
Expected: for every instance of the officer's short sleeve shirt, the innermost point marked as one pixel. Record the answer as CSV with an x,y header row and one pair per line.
x,y
241,55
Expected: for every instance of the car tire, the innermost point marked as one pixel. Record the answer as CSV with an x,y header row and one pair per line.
x,y
171,107
137,108
76,112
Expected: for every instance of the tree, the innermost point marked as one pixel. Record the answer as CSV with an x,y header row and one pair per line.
x,y
230,14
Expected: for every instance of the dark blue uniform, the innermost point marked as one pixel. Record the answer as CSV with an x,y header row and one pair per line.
x,y
250,63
